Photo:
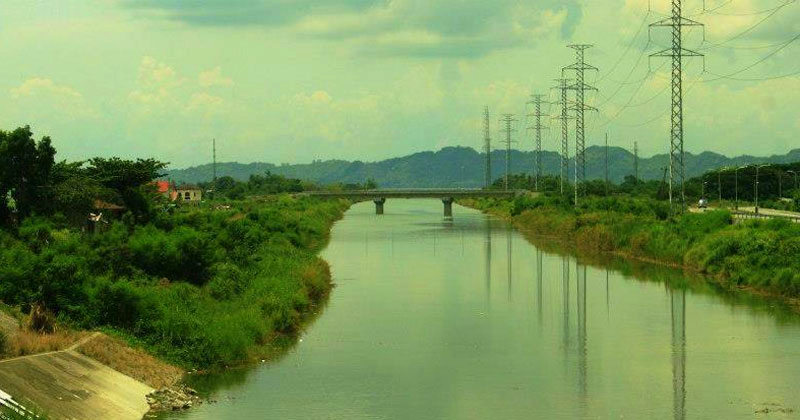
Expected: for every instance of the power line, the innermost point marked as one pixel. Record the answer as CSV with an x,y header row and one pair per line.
x,y
580,88
763,59
746,31
563,86
536,101
676,157
630,45
508,120
487,138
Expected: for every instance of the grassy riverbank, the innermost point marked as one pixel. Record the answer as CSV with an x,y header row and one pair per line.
x,y
761,255
201,288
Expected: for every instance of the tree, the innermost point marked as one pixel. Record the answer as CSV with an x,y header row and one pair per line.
x,y
130,179
25,170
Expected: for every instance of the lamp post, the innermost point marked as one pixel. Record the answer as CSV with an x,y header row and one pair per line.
x,y
736,176
756,185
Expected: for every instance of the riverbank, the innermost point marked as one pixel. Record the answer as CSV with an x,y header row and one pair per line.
x,y
203,288
757,256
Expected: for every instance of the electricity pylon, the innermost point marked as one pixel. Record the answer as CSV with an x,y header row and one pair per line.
x,y
563,86
580,88
536,101
676,52
507,120
636,162
487,138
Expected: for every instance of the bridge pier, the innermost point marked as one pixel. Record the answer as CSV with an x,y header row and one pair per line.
x,y
379,205
448,207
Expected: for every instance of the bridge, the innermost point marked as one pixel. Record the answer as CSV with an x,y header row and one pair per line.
x,y
447,196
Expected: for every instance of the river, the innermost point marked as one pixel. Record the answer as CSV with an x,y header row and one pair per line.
x,y
466,319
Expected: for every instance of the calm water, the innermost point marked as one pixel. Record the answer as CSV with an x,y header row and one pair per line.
x,y
467,320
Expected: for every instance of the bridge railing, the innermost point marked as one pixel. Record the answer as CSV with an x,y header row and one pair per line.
x,y
747,215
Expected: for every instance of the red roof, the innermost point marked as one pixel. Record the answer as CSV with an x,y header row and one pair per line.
x,y
162,186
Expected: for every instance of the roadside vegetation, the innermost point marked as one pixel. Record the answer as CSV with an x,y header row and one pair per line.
x,y
201,286
633,221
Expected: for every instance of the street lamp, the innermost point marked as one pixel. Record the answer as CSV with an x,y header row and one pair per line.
x,y
736,176
756,185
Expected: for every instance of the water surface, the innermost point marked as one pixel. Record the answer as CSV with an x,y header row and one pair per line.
x,y
466,319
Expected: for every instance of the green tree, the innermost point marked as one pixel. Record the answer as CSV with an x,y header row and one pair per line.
x,y
25,170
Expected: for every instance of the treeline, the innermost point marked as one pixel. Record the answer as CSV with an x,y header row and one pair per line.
x,y
269,183
778,185
32,183
198,285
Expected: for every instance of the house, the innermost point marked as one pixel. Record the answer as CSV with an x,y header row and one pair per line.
x,y
164,187
190,193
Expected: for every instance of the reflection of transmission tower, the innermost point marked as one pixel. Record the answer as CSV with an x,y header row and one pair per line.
x,y
678,298
580,106
536,101
507,120
676,52
487,138
564,117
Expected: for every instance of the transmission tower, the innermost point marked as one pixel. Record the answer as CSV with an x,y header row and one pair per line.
x,y
508,120
636,162
676,52
564,117
487,138
580,88
214,159
606,184
537,101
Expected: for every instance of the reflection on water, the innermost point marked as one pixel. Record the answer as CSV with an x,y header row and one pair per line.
x,y
416,329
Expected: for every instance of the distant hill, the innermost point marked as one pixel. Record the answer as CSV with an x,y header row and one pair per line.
x,y
462,167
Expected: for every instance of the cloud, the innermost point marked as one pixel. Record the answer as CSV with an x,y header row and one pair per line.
x,y
155,84
42,96
38,86
213,77
243,12
411,28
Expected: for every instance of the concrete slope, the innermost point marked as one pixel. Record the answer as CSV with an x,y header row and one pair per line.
x,y
69,385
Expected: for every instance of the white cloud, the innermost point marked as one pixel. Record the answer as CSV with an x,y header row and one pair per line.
x,y
40,95
213,77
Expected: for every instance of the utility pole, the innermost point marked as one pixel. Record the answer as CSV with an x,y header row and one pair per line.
x,y
676,157
214,159
580,106
487,138
536,101
563,86
719,186
606,162
636,162
507,120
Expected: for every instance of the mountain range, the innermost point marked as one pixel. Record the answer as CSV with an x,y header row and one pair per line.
x,y
463,167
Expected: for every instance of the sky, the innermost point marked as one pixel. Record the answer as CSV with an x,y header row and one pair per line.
x,y
291,81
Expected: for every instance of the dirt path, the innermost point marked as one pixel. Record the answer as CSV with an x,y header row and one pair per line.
x,y
69,385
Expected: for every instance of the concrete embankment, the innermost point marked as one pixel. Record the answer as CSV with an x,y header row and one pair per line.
x,y
68,385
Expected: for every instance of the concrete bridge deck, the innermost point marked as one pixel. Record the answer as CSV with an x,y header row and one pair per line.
x,y
446,195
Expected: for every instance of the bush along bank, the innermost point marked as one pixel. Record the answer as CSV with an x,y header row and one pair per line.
x,y
202,288
759,254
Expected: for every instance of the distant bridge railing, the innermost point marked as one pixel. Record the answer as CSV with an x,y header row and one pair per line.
x,y
747,215
417,193
446,195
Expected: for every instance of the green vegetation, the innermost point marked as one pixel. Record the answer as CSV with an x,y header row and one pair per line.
x,y
269,183
759,254
199,285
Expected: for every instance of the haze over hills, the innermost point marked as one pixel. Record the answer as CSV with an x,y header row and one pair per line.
x,y
463,167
